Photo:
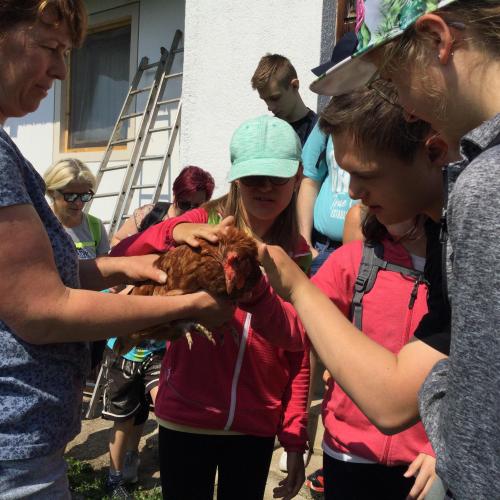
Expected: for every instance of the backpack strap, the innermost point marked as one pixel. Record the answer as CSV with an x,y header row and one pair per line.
x,y
95,229
156,215
371,262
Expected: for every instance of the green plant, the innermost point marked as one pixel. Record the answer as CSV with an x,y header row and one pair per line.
x,y
84,481
87,484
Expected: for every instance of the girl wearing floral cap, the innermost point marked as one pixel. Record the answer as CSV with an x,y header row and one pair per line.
x,y
439,60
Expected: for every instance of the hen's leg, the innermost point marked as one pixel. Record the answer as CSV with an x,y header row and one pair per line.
x,y
187,326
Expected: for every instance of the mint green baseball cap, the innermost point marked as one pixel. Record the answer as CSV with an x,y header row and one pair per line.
x,y
377,22
265,145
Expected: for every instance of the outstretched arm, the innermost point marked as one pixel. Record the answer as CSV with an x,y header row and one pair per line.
x,y
384,385
41,309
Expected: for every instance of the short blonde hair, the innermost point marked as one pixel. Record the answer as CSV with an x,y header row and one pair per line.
x,y
273,66
59,175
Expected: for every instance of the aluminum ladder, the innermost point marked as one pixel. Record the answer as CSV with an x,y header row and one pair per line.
x,y
139,159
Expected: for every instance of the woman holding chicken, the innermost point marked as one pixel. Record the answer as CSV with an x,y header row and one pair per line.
x,y
218,402
46,318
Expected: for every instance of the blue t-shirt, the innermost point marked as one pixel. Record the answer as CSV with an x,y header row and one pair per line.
x,y
41,386
333,200
142,351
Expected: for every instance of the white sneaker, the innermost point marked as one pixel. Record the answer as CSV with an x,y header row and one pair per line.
x,y
131,467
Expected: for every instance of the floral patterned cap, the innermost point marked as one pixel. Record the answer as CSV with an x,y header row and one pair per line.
x,y
377,22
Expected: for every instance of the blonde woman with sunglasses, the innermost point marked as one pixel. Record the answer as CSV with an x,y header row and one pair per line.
x,y
70,184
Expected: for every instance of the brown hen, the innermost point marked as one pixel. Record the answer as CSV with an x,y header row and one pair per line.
x,y
228,269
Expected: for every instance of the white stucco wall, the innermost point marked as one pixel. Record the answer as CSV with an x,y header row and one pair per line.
x,y
224,42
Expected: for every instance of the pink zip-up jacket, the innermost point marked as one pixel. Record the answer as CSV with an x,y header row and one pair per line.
x,y
253,386
388,320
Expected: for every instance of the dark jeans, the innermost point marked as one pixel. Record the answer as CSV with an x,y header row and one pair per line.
x,y
324,250
351,481
188,463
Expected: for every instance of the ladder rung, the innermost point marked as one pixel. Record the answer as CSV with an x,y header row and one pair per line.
x,y
159,129
152,65
132,115
139,91
105,195
143,186
151,157
168,101
114,167
122,141
172,75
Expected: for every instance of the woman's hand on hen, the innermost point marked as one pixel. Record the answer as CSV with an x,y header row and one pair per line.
x,y
191,233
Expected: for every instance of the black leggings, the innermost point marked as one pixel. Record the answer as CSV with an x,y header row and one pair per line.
x,y
188,463
352,481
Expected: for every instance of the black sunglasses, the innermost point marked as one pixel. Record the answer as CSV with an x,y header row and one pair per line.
x,y
187,205
260,180
71,197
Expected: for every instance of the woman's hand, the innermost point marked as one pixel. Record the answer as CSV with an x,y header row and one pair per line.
x,y
191,233
290,486
211,311
423,468
142,268
107,272
283,274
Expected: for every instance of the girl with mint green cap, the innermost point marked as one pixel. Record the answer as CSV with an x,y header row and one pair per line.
x,y
439,60
220,406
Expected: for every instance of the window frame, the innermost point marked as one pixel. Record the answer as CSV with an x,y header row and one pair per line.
x,y
344,23
98,21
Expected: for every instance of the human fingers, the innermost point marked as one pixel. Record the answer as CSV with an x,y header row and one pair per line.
x,y
297,475
283,489
142,268
213,311
423,469
226,222
414,467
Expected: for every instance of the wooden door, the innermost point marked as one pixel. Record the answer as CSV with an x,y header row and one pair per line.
x,y
346,17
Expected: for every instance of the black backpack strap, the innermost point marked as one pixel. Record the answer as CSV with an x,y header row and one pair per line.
x,y
367,274
156,215
371,262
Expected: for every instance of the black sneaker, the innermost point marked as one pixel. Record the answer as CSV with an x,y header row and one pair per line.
x,y
116,489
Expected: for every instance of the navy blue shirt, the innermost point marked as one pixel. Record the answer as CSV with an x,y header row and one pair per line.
x,y
40,385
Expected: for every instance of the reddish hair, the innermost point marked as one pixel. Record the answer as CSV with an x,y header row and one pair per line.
x,y
193,179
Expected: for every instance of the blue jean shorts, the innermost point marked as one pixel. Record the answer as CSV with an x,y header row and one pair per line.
x,y
40,478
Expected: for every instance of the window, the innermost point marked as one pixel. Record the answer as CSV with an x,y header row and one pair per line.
x,y
99,81
89,101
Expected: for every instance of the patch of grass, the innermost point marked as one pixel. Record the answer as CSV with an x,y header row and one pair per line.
x,y
84,481
87,484
154,494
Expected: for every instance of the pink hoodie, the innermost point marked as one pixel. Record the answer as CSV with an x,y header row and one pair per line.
x,y
255,386
387,320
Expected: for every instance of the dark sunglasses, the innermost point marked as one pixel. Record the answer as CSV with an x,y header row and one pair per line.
x,y
71,197
260,180
186,205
